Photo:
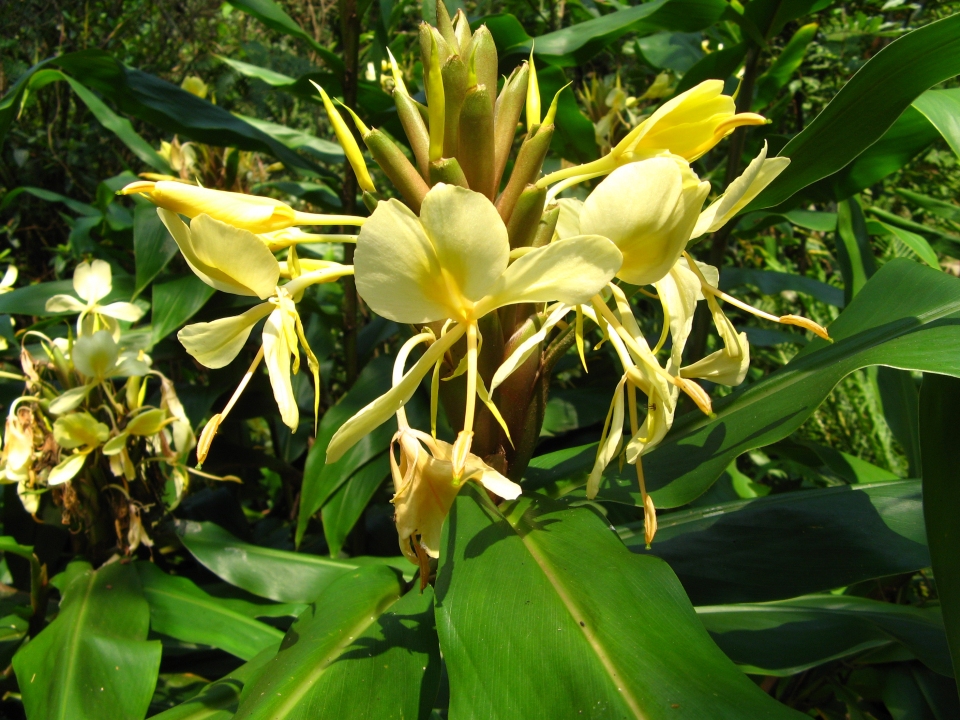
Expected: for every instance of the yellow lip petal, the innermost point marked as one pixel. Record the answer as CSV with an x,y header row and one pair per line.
x,y
215,344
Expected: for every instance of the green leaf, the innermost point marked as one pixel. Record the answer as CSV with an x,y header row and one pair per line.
x,y
783,68
175,302
718,65
355,653
119,126
75,205
180,609
867,106
153,247
612,633
939,420
273,16
770,282
786,544
321,149
346,505
158,102
939,208
320,480
905,317
915,242
275,574
32,299
574,138
942,109
790,636
854,253
95,654
771,16
219,700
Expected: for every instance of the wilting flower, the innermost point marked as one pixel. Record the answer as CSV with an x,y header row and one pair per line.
x,y
453,264
9,278
92,282
18,444
250,212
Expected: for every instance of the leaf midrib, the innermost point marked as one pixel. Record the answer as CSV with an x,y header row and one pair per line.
x,y
74,645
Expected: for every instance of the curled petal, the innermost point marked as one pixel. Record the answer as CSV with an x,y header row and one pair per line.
x,y
64,304
610,442
570,271
720,367
276,355
759,173
122,311
92,281
526,348
215,344
66,470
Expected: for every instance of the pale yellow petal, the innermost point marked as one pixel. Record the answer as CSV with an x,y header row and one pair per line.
x,y
92,281
215,344
66,470
568,224
570,271
609,445
238,254
720,368
383,408
122,311
679,291
79,430
468,236
64,304
149,422
397,269
95,356
276,356
492,480
526,348
759,173
70,400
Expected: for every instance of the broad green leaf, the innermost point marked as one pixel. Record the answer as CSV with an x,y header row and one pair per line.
x,y
771,282
119,126
939,421
786,544
153,247
915,242
543,613
32,299
320,480
905,317
900,398
158,102
912,692
75,205
95,654
578,43
346,505
574,138
273,16
790,636
940,208
867,106
275,574
942,109
890,218
854,253
359,651
906,138
296,140
671,50
219,700
783,68
770,16
175,302
180,609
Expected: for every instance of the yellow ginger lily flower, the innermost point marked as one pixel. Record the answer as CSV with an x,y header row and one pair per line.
x,y
92,282
83,434
425,482
688,126
17,458
250,212
648,209
237,261
453,264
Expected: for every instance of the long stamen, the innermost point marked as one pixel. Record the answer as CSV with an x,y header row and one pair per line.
x,y
461,448
399,365
210,429
649,512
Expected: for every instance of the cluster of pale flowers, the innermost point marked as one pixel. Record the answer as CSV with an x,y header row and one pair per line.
x,y
445,268
56,428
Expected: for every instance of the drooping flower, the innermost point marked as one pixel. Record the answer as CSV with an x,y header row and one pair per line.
x,y
92,282
452,263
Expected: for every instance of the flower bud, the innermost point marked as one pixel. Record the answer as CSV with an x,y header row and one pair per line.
x,y
506,115
476,140
483,52
648,209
